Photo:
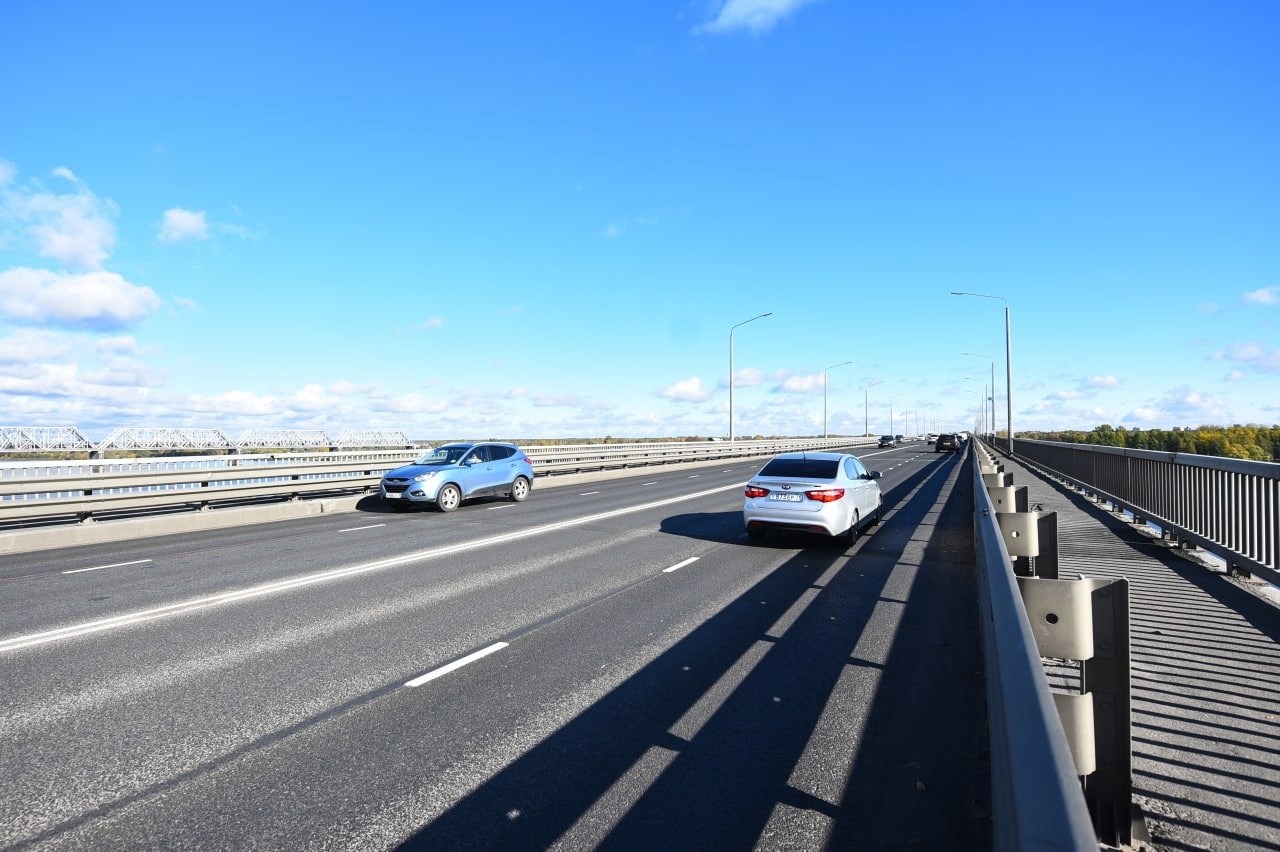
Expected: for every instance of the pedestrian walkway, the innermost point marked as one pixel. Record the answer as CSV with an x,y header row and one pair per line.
x,y
1206,677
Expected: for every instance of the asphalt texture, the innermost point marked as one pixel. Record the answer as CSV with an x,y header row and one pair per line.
x,y
638,676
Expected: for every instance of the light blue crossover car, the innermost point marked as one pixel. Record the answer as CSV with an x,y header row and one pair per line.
x,y
448,474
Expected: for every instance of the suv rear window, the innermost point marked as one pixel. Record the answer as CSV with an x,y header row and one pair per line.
x,y
802,468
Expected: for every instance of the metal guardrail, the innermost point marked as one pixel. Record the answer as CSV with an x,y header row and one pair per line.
x,y
1037,800
1229,507
83,488
1080,629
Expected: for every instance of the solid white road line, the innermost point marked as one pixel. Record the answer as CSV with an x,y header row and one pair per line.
x,y
357,529
113,565
588,493
679,565
265,589
457,664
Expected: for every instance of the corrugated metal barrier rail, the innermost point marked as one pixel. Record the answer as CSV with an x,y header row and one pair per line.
x,y
81,490
1061,767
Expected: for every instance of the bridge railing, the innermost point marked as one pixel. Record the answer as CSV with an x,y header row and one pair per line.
x,y
1229,507
1037,800
86,488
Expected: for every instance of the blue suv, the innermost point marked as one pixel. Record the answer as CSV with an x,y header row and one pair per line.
x,y
448,474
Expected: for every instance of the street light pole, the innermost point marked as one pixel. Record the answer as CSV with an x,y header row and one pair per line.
x,y
744,322
1008,362
824,394
892,428
866,406
993,390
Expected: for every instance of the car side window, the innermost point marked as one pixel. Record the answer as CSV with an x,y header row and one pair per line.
x,y
479,454
497,453
858,470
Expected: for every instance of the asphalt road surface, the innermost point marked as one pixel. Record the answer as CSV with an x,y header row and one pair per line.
x,y
610,665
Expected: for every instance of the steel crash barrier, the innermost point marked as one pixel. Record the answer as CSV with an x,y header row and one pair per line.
x,y
86,489
1229,507
1060,754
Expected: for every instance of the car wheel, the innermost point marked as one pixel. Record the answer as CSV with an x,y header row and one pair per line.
x,y
851,535
449,498
520,489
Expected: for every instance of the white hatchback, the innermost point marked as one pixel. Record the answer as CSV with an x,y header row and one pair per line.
x,y
826,493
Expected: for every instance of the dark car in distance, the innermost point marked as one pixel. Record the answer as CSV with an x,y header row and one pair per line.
x,y
947,442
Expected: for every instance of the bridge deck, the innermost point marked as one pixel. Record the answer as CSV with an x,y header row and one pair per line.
x,y
1206,677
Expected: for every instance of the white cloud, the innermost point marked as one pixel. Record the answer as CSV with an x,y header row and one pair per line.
x,y
757,16
117,346
432,322
409,403
76,229
98,300
1104,382
233,404
611,231
1252,355
125,373
1265,296
555,400
312,398
345,388
746,378
803,384
689,390
27,345
1187,407
179,225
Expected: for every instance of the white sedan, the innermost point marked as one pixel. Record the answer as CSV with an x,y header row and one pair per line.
x,y
826,493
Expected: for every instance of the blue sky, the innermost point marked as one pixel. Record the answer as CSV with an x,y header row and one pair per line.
x,y
543,219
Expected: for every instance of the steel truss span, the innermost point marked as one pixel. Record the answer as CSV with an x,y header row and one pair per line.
x,y
70,439
40,438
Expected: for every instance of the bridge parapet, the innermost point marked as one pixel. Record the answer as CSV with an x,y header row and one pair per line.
x,y
1061,759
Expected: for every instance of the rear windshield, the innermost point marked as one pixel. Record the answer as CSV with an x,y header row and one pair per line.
x,y
802,468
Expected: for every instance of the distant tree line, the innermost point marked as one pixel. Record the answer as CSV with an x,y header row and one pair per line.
x,y
1259,443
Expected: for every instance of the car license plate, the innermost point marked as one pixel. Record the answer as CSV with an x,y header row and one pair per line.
x,y
785,498
394,495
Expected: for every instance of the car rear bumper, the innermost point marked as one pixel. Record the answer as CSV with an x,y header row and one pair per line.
x,y
790,527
